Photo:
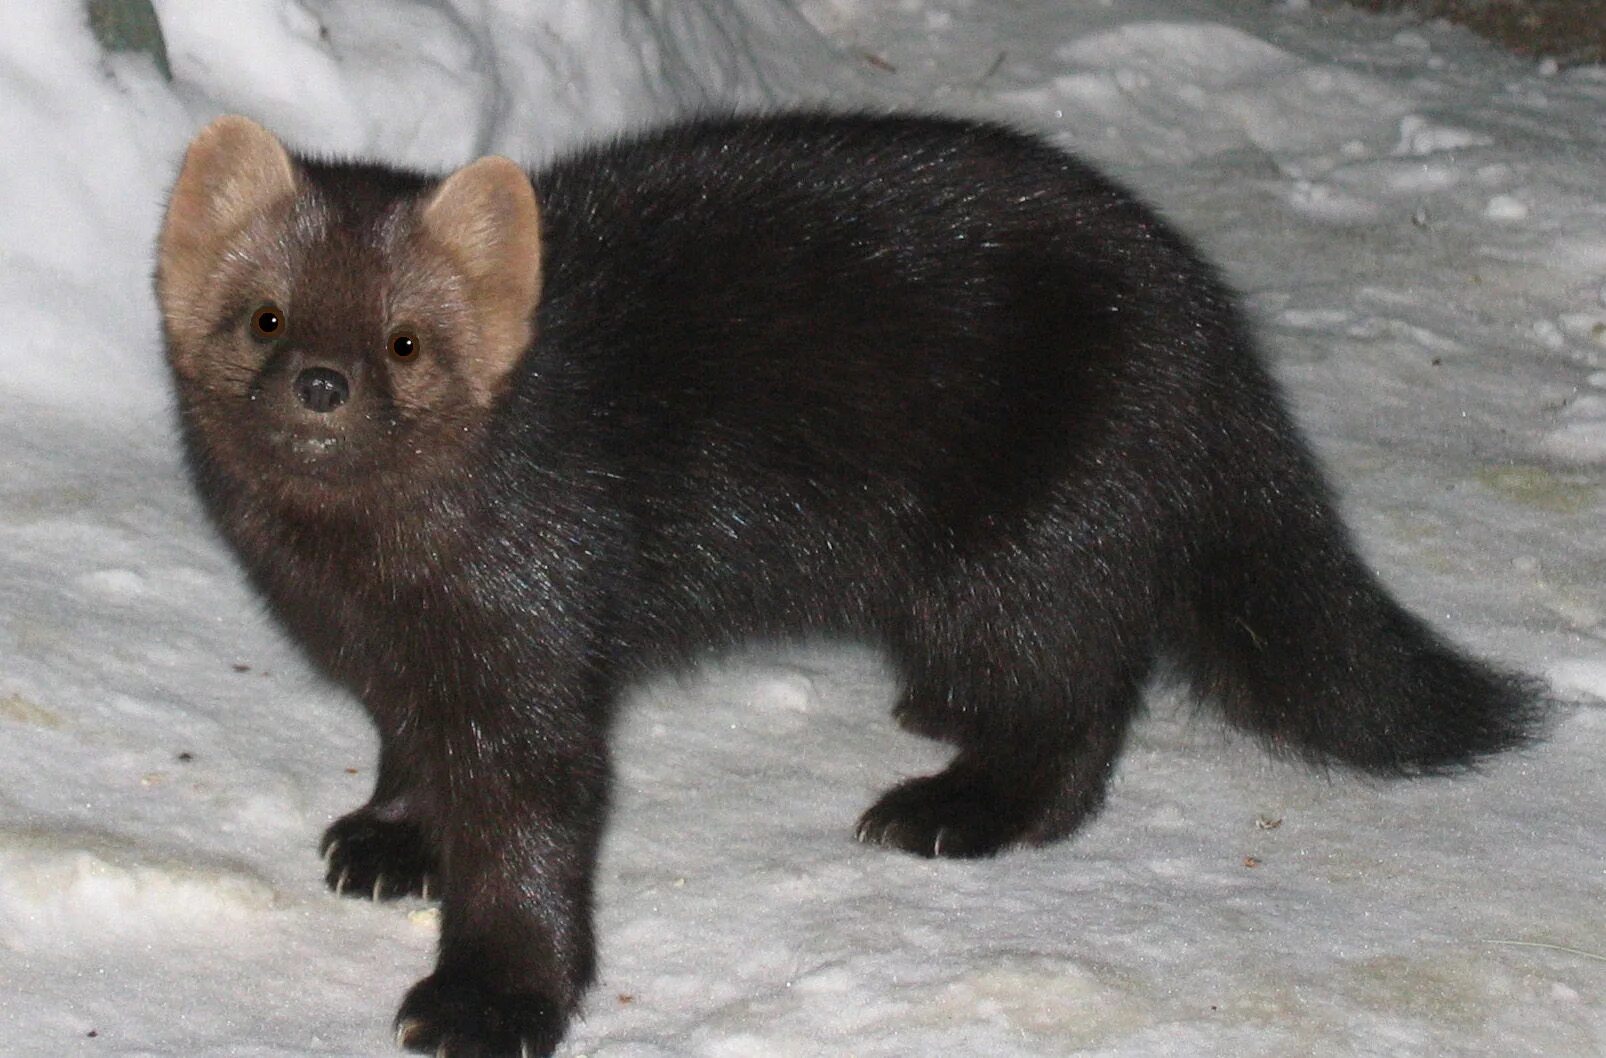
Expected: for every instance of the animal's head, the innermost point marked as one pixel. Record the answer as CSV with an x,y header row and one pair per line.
x,y
333,328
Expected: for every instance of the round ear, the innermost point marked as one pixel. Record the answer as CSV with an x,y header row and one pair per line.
x,y
233,169
486,218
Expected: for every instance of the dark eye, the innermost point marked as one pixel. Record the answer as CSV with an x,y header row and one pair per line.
x,y
404,345
267,321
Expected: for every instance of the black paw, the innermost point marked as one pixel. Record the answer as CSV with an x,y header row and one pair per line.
x,y
378,859
947,815
453,1015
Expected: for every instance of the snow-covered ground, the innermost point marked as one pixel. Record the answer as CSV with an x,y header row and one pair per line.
x,y
1417,222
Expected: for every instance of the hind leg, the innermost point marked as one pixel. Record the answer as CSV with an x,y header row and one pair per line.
x,y
1035,752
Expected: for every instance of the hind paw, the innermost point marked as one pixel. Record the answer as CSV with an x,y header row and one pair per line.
x,y
943,815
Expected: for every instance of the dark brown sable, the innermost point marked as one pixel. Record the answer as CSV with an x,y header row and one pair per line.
x,y
927,383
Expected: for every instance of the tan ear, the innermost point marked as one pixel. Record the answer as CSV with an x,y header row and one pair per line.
x,y
486,217
233,168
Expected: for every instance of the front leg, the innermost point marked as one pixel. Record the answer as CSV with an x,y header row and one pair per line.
x,y
386,848
522,813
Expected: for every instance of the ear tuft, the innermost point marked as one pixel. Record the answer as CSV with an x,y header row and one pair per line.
x,y
485,216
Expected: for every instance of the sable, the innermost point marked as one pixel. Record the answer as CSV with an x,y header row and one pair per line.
x,y
491,448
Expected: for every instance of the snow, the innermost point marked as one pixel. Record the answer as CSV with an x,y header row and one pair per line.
x,y
1415,220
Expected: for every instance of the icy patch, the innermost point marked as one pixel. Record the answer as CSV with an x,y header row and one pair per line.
x,y
1579,442
1585,252
1506,207
1549,335
1420,137
1176,91
1582,439
1326,202
1208,56
1584,327
1316,319
754,685
67,885
113,583
787,691
1579,676
1073,1003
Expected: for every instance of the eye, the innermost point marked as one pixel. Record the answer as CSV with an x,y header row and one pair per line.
x,y
267,322
404,345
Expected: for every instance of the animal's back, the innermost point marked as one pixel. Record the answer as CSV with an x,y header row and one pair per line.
x,y
835,356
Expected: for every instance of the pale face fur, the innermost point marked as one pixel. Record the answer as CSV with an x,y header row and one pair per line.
x,y
348,263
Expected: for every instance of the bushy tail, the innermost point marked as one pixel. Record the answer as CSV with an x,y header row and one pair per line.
x,y
1301,645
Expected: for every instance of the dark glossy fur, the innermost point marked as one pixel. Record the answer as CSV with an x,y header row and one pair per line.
x,y
927,383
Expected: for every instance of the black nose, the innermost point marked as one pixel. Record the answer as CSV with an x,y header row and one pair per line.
x,y
321,388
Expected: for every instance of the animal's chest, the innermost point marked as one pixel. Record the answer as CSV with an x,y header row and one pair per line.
x,y
391,623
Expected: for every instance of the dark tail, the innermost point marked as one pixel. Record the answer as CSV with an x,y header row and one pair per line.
x,y
1302,646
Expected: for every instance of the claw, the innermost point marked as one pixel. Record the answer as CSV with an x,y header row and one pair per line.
x,y
329,853
405,1030
379,885
340,883
425,885
936,845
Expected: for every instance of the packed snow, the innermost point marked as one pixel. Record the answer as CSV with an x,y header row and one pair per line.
x,y
1416,222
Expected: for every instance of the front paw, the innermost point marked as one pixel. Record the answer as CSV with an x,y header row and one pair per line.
x,y
455,1015
379,859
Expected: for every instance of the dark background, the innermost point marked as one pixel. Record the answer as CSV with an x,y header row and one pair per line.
x,y
1569,31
